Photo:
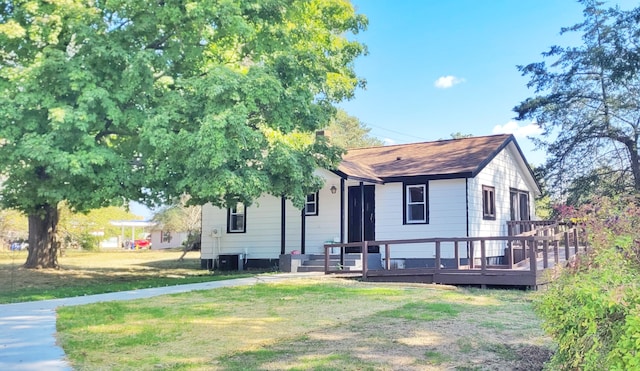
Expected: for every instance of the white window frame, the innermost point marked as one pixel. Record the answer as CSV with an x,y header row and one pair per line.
x,y
165,236
409,203
313,202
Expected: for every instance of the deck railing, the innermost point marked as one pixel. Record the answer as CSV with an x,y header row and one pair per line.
x,y
532,227
543,246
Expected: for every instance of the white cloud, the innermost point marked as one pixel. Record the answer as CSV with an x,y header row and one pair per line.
x,y
388,141
445,82
513,127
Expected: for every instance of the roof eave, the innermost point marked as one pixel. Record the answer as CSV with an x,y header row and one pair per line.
x,y
346,176
397,179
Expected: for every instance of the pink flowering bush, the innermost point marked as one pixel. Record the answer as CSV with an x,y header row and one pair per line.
x,y
592,309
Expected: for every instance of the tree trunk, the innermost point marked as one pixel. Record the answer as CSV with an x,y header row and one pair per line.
x,y
43,243
634,158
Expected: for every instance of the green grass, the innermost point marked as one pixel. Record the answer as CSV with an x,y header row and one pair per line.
x,y
34,294
88,273
465,345
295,325
501,350
424,311
496,325
436,358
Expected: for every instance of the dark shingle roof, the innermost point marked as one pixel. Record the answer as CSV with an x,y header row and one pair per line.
x,y
444,158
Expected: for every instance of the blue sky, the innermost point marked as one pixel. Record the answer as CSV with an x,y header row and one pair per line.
x,y
438,67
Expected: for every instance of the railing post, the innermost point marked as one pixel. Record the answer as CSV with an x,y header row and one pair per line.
x,y
567,253
575,239
556,258
326,260
387,256
483,255
533,258
510,251
365,259
471,256
457,254
545,254
437,255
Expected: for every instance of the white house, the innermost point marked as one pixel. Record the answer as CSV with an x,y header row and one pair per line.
x,y
466,187
166,239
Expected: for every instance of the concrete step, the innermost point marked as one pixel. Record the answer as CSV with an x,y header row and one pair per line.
x,y
347,263
310,268
315,263
335,257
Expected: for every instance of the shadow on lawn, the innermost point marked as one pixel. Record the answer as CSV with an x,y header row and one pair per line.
x,y
74,279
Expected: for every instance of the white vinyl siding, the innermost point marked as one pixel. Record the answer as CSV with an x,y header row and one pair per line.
x,y
324,227
262,238
447,216
504,173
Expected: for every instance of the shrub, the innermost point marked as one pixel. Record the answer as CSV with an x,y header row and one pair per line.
x,y
592,309
88,242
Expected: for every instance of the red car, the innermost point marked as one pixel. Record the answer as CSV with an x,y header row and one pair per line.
x,y
142,244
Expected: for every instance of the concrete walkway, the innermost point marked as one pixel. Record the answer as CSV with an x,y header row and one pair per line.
x,y
28,330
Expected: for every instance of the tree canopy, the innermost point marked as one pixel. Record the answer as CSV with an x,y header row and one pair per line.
x,y
348,132
101,102
179,217
588,103
86,230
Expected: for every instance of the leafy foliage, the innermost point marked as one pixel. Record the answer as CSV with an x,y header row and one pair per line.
x,y
349,132
82,229
179,217
148,100
592,308
13,225
588,104
460,135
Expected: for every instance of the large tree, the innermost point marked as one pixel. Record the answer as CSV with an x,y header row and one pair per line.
x,y
179,217
102,101
348,132
588,103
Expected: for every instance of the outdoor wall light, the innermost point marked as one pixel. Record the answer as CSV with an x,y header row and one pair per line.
x,y
333,189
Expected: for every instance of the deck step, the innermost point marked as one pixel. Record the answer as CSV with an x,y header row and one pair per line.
x,y
315,263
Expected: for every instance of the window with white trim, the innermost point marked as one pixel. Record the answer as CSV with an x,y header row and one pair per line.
x,y
236,219
416,204
166,236
311,205
488,202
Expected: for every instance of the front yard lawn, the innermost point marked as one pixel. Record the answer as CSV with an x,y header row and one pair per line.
x,y
313,324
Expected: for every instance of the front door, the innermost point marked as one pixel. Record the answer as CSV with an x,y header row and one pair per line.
x,y
355,214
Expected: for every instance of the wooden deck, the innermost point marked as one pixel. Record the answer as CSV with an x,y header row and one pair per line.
x,y
527,260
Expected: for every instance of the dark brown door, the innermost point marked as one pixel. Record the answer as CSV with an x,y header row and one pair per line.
x,y
355,216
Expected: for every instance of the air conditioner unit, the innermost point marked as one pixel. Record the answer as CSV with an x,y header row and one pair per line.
x,y
216,232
